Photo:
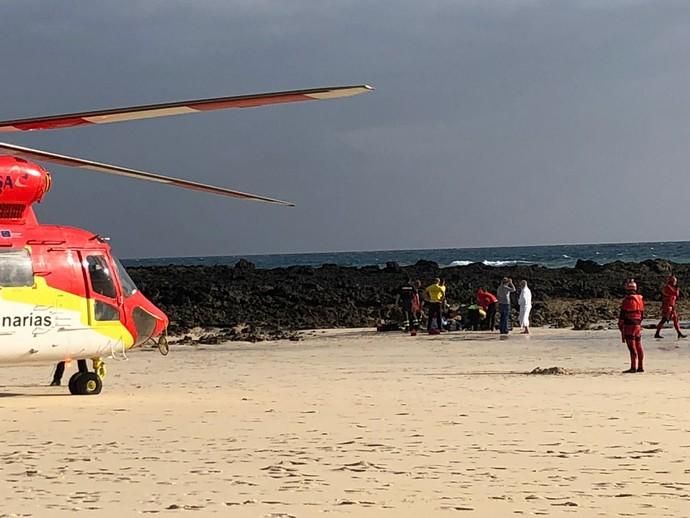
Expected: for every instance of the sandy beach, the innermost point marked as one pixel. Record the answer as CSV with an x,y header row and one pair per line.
x,y
355,423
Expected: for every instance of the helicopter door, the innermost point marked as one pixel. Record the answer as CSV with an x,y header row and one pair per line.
x,y
101,290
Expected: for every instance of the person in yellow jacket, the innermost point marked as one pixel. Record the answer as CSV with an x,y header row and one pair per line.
x,y
435,295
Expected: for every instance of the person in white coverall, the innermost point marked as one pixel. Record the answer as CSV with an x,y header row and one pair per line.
x,y
525,303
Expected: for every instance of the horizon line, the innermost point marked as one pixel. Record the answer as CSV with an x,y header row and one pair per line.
x,y
265,254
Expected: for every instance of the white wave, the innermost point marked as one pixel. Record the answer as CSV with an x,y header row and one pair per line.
x,y
504,263
490,263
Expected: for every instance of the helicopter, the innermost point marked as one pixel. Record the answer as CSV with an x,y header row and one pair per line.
x,y
64,296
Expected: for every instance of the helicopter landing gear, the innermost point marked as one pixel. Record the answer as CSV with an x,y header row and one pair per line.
x,y
99,368
83,382
163,346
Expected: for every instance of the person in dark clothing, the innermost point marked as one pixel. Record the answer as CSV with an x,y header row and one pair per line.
x,y
98,367
474,317
417,301
408,299
57,375
491,311
503,294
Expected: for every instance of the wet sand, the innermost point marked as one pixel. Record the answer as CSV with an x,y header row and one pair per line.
x,y
355,423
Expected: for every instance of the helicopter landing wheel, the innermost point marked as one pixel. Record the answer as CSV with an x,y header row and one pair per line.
x,y
73,381
85,384
163,346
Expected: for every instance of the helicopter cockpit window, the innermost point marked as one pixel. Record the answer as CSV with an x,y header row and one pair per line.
x,y
101,279
15,268
128,286
105,312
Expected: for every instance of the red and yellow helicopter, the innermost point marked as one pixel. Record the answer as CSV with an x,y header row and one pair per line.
x,y
63,294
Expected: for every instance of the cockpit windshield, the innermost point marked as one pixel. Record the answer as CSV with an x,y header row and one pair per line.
x,y
128,286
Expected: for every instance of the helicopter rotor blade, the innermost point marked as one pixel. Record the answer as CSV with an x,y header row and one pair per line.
x,y
70,120
54,158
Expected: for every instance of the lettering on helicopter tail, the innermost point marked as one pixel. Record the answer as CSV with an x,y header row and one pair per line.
x,y
30,320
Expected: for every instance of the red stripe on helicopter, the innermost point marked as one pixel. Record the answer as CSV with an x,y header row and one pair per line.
x,y
104,119
250,103
72,122
54,124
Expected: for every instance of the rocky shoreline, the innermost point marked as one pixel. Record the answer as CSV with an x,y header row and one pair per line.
x,y
247,303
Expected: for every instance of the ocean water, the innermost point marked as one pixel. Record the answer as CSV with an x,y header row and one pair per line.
x,y
551,256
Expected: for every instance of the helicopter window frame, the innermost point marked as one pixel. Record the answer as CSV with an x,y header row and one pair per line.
x,y
16,268
128,286
102,283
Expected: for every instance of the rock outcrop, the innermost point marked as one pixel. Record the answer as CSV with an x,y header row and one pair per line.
x,y
301,297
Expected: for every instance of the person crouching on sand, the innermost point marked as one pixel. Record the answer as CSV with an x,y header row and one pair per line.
x,y
630,325
488,302
669,296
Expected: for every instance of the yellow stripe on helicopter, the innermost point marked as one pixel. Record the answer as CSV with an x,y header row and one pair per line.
x,y
46,298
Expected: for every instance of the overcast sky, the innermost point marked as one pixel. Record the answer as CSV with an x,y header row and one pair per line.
x,y
494,122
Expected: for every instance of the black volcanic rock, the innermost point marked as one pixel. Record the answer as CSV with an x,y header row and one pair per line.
x,y
424,265
282,300
243,264
588,266
393,267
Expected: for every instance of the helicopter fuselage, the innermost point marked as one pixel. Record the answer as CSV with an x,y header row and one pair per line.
x,y
63,295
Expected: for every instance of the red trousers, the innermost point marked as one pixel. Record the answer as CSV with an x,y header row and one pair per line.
x,y
632,335
668,313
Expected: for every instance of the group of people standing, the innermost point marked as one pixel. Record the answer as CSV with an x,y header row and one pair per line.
x,y
411,299
488,302
632,313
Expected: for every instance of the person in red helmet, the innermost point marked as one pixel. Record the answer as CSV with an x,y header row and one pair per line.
x,y
630,325
669,295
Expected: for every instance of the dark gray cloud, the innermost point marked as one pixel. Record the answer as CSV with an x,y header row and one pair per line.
x,y
493,123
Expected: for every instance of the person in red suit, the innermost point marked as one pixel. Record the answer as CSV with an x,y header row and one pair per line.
x,y
488,302
630,325
669,296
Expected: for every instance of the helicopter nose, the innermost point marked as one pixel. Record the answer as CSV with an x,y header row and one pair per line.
x,y
161,325
147,325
